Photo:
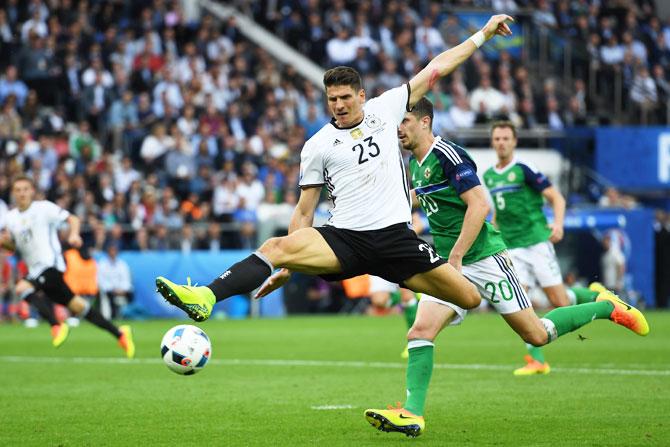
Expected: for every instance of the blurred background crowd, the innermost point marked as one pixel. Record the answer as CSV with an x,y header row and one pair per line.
x,y
162,127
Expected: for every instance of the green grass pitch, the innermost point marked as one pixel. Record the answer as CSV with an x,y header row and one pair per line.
x,y
307,381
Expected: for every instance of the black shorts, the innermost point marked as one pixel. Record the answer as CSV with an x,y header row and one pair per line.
x,y
394,253
53,285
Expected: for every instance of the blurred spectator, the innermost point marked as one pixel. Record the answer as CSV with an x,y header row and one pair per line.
x,y
486,100
155,146
612,264
643,94
10,84
114,279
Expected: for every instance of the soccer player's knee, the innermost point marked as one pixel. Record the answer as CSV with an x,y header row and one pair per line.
x,y
535,338
422,331
275,247
471,298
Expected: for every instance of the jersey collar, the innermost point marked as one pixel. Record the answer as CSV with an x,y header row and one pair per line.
x,y
506,168
334,123
435,141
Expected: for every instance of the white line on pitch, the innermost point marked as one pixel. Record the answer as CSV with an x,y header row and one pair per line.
x,y
333,407
331,364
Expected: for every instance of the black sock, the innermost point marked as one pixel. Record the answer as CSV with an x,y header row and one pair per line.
x,y
243,277
44,307
96,318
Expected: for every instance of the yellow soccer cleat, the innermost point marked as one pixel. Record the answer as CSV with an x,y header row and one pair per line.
x,y
197,302
625,314
532,367
59,333
126,341
405,353
595,286
396,420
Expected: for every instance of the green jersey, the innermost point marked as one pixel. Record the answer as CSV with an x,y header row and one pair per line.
x,y
446,172
516,190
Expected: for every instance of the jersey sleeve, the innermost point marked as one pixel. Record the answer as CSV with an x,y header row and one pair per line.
x,y
54,213
311,166
534,178
395,101
458,168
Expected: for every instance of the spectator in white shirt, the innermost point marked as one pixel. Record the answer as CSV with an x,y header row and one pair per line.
x,y
612,53
115,283
125,175
460,113
156,145
341,49
250,189
486,99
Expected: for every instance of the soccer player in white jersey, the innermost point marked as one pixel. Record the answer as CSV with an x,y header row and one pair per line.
x,y
32,230
357,157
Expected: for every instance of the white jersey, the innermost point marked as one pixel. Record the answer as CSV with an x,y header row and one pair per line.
x,y
362,166
35,233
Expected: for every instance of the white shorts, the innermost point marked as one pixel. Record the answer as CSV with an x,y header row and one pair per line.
x,y
378,284
537,264
460,313
498,283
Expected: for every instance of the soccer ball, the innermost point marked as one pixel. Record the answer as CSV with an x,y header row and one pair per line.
x,y
186,349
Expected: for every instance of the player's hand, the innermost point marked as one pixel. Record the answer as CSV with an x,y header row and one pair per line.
x,y
497,26
273,283
556,232
74,240
456,261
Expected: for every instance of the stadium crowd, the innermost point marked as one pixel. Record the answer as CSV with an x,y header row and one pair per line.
x,y
164,128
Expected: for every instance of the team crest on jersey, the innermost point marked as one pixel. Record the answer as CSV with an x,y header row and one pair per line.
x,y
427,173
511,177
356,134
372,121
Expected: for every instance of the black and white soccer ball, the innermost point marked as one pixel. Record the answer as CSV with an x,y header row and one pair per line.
x,y
186,349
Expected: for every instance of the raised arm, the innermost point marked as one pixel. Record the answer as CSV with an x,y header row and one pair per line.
x,y
447,61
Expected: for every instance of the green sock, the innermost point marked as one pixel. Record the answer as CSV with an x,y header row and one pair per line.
x,y
409,310
535,352
419,370
394,298
566,319
584,294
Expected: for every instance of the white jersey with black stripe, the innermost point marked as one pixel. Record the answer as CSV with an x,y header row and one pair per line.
x,y
362,166
35,233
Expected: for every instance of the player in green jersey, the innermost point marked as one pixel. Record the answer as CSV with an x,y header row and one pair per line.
x,y
518,190
446,185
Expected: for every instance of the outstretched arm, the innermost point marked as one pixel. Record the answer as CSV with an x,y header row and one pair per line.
x,y
447,61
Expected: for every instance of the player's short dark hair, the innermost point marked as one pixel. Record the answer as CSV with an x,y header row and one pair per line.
x,y
504,125
342,76
423,107
23,178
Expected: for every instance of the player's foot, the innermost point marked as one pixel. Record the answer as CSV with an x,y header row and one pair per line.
x,y
126,341
532,367
625,314
405,353
595,286
197,302
59,333
396,420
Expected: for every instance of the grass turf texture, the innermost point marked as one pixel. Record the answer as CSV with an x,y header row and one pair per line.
x,y
610,389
